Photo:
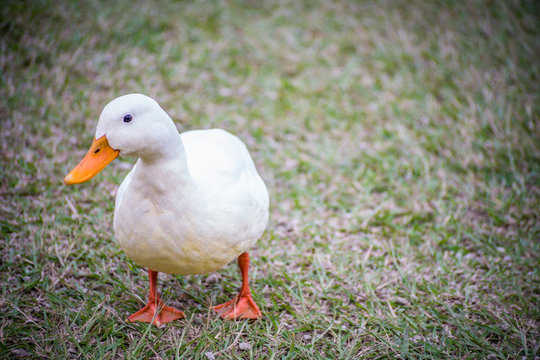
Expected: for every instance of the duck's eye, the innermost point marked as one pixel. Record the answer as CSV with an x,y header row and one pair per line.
x,y
128,118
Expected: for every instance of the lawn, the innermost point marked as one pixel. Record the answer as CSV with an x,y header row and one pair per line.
x,y
400,142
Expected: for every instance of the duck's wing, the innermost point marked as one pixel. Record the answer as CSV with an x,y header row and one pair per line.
x,y
217,160
235,197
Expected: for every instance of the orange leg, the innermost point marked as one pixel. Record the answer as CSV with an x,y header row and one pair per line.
x,y
242,306
156,312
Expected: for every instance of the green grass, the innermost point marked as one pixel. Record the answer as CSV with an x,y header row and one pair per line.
x,y
400,142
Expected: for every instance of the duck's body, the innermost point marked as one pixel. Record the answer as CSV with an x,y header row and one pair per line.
x,y
194,212
192,203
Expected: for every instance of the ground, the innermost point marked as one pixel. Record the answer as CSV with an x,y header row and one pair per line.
x,y
400,142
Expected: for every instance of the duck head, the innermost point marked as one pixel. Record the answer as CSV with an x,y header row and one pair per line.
x,y
132,125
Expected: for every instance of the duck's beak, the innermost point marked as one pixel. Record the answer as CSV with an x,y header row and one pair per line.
x,y
99,156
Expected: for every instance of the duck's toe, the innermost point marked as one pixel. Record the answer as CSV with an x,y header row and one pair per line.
x,y
241,307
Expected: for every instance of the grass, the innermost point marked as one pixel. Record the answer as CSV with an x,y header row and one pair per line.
x,y
400,143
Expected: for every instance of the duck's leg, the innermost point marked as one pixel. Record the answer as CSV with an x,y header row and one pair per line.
x,y
155,312
242,306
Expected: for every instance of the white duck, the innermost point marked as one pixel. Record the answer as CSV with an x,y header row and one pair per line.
x,y
192,203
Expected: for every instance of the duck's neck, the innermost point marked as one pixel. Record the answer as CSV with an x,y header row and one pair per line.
x,y
166,171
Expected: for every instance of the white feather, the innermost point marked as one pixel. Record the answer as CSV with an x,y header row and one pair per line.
x,y
193,202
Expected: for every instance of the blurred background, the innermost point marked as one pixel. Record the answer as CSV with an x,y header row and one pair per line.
x,y
399,140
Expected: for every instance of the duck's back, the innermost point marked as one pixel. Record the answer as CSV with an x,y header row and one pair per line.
x,y
218,160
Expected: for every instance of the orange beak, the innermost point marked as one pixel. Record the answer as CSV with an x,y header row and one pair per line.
x,y
99,156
